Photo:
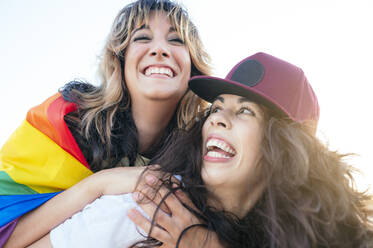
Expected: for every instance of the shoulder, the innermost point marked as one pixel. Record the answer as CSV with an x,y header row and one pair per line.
x,y
50,113
49,118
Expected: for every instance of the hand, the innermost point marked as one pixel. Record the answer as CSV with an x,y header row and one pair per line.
x,y
170,225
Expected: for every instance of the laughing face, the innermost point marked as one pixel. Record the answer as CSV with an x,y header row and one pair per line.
x,y
232,137
157,63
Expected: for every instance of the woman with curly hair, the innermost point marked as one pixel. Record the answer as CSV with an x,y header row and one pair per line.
x,y
151,52
255,172
298,194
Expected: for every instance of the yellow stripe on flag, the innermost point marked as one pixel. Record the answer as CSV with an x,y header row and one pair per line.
x,y
31,158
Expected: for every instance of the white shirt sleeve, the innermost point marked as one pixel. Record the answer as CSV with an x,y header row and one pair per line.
x,y
103,223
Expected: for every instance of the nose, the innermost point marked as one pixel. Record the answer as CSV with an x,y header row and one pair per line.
x,y
159,50
220,119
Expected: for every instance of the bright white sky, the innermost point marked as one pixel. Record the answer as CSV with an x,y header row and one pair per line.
x,y
44,44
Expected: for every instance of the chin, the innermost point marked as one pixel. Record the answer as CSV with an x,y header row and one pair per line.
x,y
162,95
213,179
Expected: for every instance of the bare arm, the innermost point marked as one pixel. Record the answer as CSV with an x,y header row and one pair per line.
x,y
44,242
37,223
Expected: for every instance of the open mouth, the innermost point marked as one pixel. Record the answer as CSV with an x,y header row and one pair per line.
x,y
159,70
217,148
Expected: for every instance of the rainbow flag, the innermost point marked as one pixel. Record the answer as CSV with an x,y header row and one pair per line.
x,y
40,159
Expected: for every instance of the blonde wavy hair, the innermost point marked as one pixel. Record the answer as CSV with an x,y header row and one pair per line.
x,y
100,105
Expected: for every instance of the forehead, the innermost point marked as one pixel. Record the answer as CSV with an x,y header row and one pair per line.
x,y
158,19
159,15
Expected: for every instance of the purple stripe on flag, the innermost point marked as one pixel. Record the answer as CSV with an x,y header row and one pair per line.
x,y
6,231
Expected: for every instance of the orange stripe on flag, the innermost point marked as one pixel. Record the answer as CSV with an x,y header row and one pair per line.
x,y
37,116
48,117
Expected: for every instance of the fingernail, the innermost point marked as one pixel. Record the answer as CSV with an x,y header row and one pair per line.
x,y
137,196
150,179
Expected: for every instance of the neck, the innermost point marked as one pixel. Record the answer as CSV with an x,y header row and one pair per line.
x,y
151,119
236,201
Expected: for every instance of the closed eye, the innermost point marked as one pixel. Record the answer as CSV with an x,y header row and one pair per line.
x,y
141,38
177,40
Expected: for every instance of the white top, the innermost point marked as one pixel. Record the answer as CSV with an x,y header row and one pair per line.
x,y
103,223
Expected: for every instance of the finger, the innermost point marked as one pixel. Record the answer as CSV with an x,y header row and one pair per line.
x,y
153,172
154,182
174,224
162,219
176,180
163,197
152,210
151,195
154,167
181,195
152,178
172,202
180,214
143,223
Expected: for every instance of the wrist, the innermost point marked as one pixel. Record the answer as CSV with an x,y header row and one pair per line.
x,y
115,181
93,185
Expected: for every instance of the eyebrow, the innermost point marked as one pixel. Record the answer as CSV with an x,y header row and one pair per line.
x,y
240,100
139,28
243,99
218,98
171,29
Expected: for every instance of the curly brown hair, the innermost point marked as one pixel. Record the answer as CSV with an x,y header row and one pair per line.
x,y
309,200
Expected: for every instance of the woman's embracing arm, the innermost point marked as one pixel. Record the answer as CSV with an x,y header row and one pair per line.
x,y
37,223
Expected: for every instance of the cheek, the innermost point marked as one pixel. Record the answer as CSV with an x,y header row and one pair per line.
x,y
183,59
128,64
203,140
188,64
128,73
250,143
134,53
204,131
131,62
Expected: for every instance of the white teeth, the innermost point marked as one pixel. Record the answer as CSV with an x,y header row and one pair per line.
x,y
216,155
220,144
158,70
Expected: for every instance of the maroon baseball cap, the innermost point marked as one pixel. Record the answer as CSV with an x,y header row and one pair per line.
x,y
268,80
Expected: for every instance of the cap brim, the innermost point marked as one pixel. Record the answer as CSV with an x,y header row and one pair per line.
x,y
208,88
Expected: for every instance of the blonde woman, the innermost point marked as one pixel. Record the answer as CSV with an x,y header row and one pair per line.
x,y
151,52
